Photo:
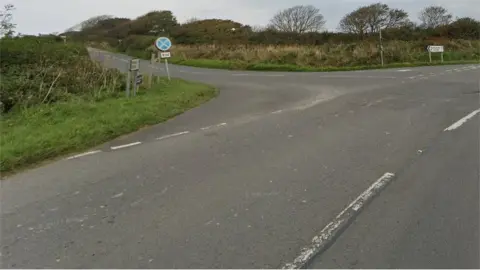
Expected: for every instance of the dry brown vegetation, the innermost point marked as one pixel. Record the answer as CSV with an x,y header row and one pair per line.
x,y
352,54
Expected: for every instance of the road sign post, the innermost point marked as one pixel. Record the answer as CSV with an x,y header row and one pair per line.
x,y
163,44
435,49
133,67
138,81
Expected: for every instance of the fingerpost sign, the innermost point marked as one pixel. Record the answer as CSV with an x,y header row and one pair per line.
x,y
435,49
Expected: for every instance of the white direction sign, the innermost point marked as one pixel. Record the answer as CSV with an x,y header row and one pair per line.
x,y
435,49
134,64
163,43
165,55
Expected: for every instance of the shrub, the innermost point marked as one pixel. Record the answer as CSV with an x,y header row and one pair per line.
x,y
38,70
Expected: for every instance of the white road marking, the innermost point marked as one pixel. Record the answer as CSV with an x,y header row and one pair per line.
x,y
240,74
404,70
462,121
117,195
354,77
125,145
84,154
276,112
209,127
173,135
329,232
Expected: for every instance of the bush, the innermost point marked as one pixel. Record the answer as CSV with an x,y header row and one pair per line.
x,y
38,70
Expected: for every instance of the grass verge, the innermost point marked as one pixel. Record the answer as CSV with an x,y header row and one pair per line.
x,y
237,65
34,134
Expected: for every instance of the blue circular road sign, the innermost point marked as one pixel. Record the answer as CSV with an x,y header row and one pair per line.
x,y
163,43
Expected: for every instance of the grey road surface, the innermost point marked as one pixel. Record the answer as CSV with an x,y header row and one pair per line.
x,y
248,179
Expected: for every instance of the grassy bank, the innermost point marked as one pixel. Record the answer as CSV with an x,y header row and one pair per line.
x,y
30,135
326,57
232,65
330,55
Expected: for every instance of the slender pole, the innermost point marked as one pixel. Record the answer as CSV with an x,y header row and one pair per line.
x,y
152,61
166,67
430,56
135,85
128,82
381,45
158,59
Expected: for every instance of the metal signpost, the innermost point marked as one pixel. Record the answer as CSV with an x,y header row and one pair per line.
x,y
134,66
138,81
163,44
435,49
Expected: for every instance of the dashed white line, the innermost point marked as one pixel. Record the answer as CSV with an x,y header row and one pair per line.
x,y
125,145
329,232
84,154
173,135
209,127
462,121
276,112
117,195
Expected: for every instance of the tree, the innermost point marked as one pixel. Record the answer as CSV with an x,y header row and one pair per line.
x,y
7,28
298,19
372,18
154,23
434,16
356,22
464,28
211,31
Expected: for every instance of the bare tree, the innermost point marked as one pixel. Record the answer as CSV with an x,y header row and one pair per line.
x,y
434,16
355,22
7,28
298,19
372,18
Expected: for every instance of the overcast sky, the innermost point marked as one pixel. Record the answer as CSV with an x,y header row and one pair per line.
x,y
47,16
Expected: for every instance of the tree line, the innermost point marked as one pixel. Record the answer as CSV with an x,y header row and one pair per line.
x,y
301,24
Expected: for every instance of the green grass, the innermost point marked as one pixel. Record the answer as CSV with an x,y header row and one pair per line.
x,y
232,65
32,135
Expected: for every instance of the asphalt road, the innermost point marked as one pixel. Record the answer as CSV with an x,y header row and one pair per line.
x,y
250,178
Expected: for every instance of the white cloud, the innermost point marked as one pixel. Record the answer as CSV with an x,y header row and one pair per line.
x,y
46,16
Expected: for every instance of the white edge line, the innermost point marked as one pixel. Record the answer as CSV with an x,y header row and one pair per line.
x,y
84,154
329,232
462,121
173,135
125,145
